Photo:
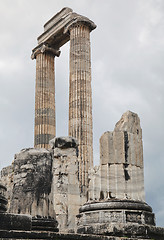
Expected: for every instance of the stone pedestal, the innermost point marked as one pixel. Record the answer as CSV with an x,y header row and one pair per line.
x,y
65,186
105,214
118,218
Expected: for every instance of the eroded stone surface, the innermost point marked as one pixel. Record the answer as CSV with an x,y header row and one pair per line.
x,y
64,26
116,187
7,181
60,236
64,142
45,122
15,222
121,161
80,98
41,182
124,231
30,189
56,29
66,189
129,122
45,182
3,200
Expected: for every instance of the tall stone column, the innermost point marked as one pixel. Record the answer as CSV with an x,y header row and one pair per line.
x,y
45,126
80,96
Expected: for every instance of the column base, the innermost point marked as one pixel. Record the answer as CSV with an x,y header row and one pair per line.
x,y
116,218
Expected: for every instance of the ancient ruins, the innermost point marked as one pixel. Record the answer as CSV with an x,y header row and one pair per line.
x,y
63,27
53,191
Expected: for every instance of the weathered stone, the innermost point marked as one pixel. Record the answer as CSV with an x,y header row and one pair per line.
x,y
64,26
115,204
129,122
3,200
94,188
15,222
45,122
56,29
63,142
66,189
32,178
41,182
113,212
7,181
120,173
44,224
124,231
120,199
69,236
121,160
27,153
80,97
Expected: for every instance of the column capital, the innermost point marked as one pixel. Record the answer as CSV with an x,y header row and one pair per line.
x,y
79,20
43,48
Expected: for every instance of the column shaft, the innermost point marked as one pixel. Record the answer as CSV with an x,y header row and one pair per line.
x,y
44,100
80,98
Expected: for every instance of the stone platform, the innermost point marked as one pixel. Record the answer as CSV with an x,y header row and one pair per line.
x,y
11,235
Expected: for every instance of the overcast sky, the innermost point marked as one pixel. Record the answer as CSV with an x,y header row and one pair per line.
x,y
127,74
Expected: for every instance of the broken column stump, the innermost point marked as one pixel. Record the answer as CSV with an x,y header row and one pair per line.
x,y
120,208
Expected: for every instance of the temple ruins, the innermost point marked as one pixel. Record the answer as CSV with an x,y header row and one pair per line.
x,y
63,27
53,191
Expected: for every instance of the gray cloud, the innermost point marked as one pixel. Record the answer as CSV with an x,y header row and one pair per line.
x,y
127,73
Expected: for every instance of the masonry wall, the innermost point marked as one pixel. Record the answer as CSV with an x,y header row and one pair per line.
x,y
44,183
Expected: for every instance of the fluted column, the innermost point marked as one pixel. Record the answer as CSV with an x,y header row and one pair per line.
x,y
80,97
45,126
